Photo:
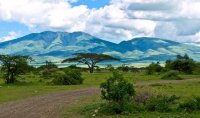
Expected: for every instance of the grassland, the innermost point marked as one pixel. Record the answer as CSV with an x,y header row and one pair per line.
x,y
33,85
185,90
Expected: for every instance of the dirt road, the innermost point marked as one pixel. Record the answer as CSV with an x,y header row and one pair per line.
x,y
49,106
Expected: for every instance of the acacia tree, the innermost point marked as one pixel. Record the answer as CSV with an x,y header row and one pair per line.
x,y
90,59
13,66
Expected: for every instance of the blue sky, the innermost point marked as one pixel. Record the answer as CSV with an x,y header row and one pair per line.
x,y
113,20
92,3
7,27
21,29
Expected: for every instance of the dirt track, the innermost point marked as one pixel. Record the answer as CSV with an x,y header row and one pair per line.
x,y
49,106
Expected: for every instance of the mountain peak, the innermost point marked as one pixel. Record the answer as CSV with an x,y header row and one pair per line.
x,y
59,45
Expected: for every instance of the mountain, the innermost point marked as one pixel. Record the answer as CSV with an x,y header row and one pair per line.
x,y
59,45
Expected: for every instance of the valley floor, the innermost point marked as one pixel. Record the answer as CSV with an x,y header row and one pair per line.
x,y
55,105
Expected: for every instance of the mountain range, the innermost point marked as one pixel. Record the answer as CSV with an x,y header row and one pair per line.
x,y
55,46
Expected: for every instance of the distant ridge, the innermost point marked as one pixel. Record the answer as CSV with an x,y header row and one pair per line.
x,y
56,46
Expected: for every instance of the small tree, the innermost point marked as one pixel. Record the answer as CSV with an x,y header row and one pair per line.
x,y
153,67
118,92
90,59
13,66
182,64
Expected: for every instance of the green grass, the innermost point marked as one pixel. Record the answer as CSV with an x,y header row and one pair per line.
x,y
30,85
186,91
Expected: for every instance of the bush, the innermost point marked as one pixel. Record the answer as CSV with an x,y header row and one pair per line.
x,y
171,75
48,73
161,103
76,75
183,64
118,92
72,77
154,68
190,105
116,108
59,78
123,68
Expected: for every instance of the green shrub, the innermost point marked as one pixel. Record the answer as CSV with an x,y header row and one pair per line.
x,y
197,99
154,68
161,103
171,75
116,108
48,73
118,92
59,78
183,64
190,105
72,77
76,75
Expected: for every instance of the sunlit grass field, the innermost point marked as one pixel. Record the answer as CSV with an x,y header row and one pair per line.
x,y
185,91
33,85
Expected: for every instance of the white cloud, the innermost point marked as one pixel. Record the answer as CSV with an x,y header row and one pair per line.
x,y
120,20
56,14
11,35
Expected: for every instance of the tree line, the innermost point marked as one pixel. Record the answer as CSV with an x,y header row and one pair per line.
x,y
14,65
182,64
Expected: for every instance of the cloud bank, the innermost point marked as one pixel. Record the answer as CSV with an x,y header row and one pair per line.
x,y
177,20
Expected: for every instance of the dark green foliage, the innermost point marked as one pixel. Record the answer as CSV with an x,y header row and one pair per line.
x,y
161,103
197,68
72,77
190,105
124,68
48,65
12,66
171,75
76,75
116,108
90,59
47,74
181,64
118,92
48,69
153,68
60,78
